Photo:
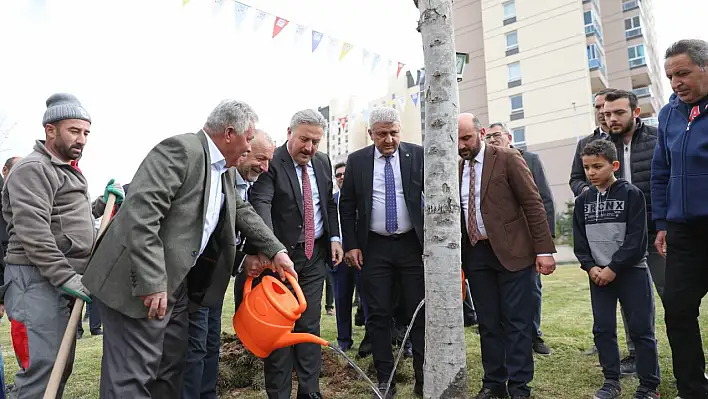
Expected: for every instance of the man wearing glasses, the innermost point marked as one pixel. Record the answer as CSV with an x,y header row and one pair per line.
x,y
498,135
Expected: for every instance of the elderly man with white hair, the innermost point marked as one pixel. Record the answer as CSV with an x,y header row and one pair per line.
x,y
295,198
382,222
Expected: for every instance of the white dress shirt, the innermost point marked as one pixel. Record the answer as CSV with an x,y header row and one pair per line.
x,y
216,195
242,187
465,190
627,162
378,196
319,224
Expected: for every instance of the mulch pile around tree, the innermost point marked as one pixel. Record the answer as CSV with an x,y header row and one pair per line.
x,y
240,371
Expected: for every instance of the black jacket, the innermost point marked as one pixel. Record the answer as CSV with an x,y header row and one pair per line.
x,y
609,229
642,148
533,161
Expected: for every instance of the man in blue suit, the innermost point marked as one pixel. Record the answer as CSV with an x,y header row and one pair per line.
x,y
345,279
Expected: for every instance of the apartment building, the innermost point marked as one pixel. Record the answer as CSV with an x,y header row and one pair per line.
x,y
535,64
348,124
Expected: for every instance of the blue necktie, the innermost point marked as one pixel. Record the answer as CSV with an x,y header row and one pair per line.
x,y
391,214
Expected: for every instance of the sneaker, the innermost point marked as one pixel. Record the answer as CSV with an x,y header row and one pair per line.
x,y
628,365
486,393
610,390
646,393
540,347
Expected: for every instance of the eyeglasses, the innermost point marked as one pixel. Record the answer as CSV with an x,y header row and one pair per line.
x,y
338,175
490,136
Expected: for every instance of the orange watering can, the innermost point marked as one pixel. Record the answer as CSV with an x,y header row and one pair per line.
x,y
265,319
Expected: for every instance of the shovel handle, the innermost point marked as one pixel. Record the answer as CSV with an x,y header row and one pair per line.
x,y
69,339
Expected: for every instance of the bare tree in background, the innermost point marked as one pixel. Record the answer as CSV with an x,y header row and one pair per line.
x,y
445,363
6,127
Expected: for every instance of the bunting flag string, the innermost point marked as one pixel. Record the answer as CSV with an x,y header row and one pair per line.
x,y
402,103
336,46
279,25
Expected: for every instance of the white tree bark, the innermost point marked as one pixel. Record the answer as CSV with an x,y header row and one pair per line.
x,y
445,365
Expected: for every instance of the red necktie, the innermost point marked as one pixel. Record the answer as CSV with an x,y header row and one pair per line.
x,y
472,227
309,213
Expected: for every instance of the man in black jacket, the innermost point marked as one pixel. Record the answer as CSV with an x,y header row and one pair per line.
x,y
498,135
578,181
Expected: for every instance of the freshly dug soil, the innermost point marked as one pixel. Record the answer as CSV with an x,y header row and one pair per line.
x,y
239,370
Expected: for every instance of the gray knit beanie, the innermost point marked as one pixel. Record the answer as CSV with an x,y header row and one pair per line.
x,y
62,106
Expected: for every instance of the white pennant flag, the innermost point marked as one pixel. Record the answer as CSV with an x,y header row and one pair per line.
x,y
334,47
402,103
258,22
299,33
365,54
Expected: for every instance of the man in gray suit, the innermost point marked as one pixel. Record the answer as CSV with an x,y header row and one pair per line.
x,y
498,135
174,240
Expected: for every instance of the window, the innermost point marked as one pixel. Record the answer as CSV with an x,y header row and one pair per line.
x,y
517,107
509,12
587,17
514,74
592,26
519,137
630,5
633,27
512,43
594,57
636,56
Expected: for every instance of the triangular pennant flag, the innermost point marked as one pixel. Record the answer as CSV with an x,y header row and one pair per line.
x,y
299,32
346,47
278,25
365,55
316,39
184,2
217,6
414,97
402,103
400,66
376,60
260,17
241,10
333,46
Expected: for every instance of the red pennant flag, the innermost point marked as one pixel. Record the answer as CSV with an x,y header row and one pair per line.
x,y
278,26
400,66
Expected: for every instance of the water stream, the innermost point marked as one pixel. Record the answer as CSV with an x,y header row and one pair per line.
x,y
395,364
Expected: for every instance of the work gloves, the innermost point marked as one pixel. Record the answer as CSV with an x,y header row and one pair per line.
x,y
75,287
116,189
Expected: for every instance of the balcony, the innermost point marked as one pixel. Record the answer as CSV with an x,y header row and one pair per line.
x,y
598,75
651,121
629,5
632,33
637,62
593,28
642,91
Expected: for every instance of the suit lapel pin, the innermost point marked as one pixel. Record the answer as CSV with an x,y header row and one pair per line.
x,y
408,155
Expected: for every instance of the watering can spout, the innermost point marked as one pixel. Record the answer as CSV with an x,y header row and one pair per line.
x,y
298,338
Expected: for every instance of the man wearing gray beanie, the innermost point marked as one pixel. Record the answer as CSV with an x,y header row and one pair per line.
x,y
50,226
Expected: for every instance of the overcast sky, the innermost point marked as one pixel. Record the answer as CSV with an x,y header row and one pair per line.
x,y
146,70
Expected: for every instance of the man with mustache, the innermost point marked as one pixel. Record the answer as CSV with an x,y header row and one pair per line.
x,y
202,368
295,199
679,188
50,226
505,242
382,219
172,246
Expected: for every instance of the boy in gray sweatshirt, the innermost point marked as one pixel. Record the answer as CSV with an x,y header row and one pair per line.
x,y
50,226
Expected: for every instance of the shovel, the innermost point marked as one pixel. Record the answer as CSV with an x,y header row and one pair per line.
x,y
70,334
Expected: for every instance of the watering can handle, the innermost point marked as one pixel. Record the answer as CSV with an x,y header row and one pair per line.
x,y
292,315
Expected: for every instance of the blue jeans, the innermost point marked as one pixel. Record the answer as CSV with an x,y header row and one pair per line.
x,y
538,301
202,368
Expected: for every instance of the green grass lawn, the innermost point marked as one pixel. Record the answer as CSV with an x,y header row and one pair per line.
x,y
566,374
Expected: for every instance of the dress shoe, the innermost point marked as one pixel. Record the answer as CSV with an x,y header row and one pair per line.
x,y
418,389
382,389
540,347
520,397
486,393
628,365
313,395
97,332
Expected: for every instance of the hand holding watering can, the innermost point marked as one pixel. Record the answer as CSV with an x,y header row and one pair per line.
x,y
254,265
